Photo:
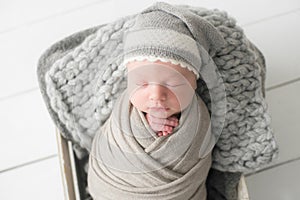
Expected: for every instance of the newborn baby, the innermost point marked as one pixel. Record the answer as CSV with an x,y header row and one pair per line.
x,y
150,147
156,142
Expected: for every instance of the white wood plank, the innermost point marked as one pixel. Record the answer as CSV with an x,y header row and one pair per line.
x,y
27,131
37,181
284,108
279,41
17,13
280,183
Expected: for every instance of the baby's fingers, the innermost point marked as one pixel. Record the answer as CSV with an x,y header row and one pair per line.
x,y
167,130
163,133
172,121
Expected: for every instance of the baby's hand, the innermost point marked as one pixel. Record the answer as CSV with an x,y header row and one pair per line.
x,y
161,126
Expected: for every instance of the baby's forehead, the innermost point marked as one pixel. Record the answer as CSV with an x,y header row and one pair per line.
x,y
158,69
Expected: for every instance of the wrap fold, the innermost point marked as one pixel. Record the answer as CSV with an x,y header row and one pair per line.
x,y
129,161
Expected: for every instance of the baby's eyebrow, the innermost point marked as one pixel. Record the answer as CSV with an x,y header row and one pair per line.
x,y
171,75
177,76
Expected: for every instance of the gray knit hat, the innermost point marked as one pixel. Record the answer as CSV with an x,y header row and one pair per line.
x,y
171,34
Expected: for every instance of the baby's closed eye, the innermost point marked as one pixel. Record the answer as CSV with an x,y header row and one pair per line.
x,y
141,83
174,84
171,84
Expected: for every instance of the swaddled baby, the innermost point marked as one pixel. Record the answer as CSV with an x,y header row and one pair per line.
x,y
155,143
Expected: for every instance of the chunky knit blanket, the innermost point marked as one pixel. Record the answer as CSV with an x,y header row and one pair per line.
x,y
129,161
80,80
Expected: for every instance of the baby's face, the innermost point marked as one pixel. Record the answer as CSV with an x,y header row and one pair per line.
x,y
160,89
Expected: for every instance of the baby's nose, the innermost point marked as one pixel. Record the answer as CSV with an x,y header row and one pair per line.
x,y
157,92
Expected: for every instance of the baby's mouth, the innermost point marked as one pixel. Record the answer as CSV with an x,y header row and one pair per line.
x,y
158,108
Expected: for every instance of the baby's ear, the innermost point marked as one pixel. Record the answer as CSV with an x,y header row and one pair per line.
x,y
194,83
195,86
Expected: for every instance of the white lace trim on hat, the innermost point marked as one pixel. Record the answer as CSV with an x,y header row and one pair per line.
x,y
155,58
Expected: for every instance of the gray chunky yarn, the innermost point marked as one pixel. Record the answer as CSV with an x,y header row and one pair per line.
x,y
83,83
247,140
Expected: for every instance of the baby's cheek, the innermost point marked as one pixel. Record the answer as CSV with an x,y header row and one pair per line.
x,y
138,100
183,96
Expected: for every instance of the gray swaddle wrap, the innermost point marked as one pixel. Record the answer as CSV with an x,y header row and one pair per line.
x,y
128,160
